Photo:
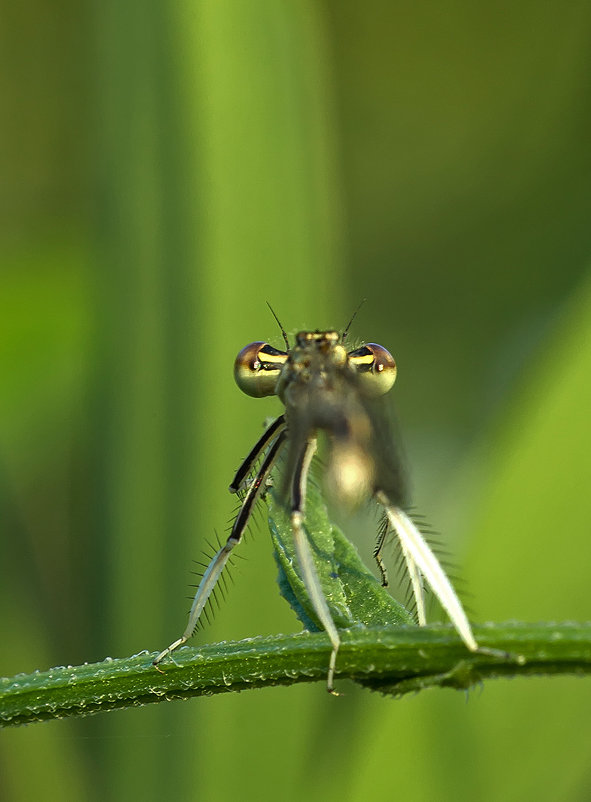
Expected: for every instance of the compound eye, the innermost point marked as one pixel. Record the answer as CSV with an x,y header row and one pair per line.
x,y
257,368
375,367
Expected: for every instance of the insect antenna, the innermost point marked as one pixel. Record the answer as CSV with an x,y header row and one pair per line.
x,y
285,340
353,316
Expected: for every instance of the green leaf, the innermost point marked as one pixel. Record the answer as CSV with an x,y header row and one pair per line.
x,y
354,596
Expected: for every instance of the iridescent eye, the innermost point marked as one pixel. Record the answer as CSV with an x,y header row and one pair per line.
x,y
375,367
257,368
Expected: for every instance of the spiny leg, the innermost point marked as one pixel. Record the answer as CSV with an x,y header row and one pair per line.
x,y
416,579
416,582
377,552
304,555
247,463
422,562
219,560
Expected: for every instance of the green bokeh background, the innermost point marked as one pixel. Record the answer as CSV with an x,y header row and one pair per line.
x,y
166,169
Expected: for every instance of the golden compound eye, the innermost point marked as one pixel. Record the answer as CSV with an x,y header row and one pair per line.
x,y
257,368
375,367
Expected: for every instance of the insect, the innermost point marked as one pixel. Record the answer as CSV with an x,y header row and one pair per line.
x,y
328,390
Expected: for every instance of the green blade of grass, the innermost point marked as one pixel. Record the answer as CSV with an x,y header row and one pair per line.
x,y
393,660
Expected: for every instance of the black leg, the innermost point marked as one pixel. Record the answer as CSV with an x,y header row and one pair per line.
x,y
255,452
377,552
220,558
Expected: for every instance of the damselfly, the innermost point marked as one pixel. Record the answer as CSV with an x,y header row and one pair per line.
x,y
327,390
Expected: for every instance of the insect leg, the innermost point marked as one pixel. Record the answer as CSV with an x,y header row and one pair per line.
x,y
422,562
377,552
262,443
416,579
304,555
219,560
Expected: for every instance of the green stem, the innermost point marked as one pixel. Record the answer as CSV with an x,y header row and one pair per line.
x,y
394,660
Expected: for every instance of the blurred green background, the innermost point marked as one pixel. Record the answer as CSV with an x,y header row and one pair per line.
x,y
166,169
